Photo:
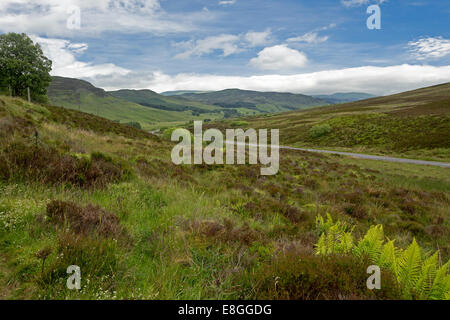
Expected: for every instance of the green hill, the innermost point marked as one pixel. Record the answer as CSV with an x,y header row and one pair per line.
x,y
414,123
148,98
83,96
344,97
256,102
180,92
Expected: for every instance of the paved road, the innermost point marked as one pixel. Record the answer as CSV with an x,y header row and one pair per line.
x,y
369,157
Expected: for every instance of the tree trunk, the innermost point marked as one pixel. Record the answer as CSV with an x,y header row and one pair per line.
x,y
29,95
10,91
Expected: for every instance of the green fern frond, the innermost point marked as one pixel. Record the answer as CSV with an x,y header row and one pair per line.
x,y
425,283
417,278
371,245
388,257
441,283
409,268
321,248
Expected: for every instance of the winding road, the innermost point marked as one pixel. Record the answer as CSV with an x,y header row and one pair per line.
x,y
365,156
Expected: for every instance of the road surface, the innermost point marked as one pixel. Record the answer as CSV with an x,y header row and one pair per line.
x,y
367,156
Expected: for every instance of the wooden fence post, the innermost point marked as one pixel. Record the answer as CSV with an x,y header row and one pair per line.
x,y
29,96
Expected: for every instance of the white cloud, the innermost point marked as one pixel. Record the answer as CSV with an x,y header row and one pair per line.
x,y
227,43
63,55
256,39
430,48
313,37
279,57
310,37
227,2
375,80
357,3
49,17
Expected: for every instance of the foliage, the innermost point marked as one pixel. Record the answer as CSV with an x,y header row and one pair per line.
x,y
22,65
319,130
134,124
419,275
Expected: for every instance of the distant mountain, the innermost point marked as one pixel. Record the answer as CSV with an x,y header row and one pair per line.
x,y
259,102
82,95
180,92
344,97
148,98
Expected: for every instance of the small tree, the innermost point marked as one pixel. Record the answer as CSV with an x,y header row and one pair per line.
x,y
319,130
23,65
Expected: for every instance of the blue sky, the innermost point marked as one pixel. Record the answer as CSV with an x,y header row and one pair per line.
x,y
307,46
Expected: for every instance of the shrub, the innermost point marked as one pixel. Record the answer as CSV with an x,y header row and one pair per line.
x,y
167,134
46,164
305,277
319,130
236,124
87,220
133,124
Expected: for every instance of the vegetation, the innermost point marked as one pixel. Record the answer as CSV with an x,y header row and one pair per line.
x,y
344,97
255,102
23,65
320,130
140,227
419,275
413,124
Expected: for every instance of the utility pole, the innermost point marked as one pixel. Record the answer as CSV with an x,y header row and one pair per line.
x,y
29,95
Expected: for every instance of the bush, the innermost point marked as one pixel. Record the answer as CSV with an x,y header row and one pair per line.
x,y
319,130
305,277
87,220
236,124
136,125
37,162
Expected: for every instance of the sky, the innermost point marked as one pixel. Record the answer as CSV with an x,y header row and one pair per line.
x,y
299,46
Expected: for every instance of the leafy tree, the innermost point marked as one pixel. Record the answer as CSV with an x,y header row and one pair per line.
x,y
23,65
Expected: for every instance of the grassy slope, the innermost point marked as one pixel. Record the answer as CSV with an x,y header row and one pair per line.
x,y
414,124
81,95
344,97
152,99
196,232
263,101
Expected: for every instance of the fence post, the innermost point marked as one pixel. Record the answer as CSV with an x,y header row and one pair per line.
x,y
29,96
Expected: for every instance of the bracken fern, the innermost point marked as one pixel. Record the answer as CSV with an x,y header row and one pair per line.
x,y
418,274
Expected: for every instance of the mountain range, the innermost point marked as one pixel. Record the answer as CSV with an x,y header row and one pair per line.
x,y
152,110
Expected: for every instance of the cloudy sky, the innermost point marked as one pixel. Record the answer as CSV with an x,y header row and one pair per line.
x,y
302,46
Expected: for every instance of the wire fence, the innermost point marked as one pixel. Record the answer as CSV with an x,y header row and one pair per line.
x,y
7,91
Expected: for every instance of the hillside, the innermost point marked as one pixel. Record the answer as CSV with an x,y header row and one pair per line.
x,y
81,190
148,98
344,97
83,96
258,102
180,92
411,124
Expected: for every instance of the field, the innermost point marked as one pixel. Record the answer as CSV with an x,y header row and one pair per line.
x,y
414,124
81,190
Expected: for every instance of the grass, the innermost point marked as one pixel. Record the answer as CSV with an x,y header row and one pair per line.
x,y
194,232
414,124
